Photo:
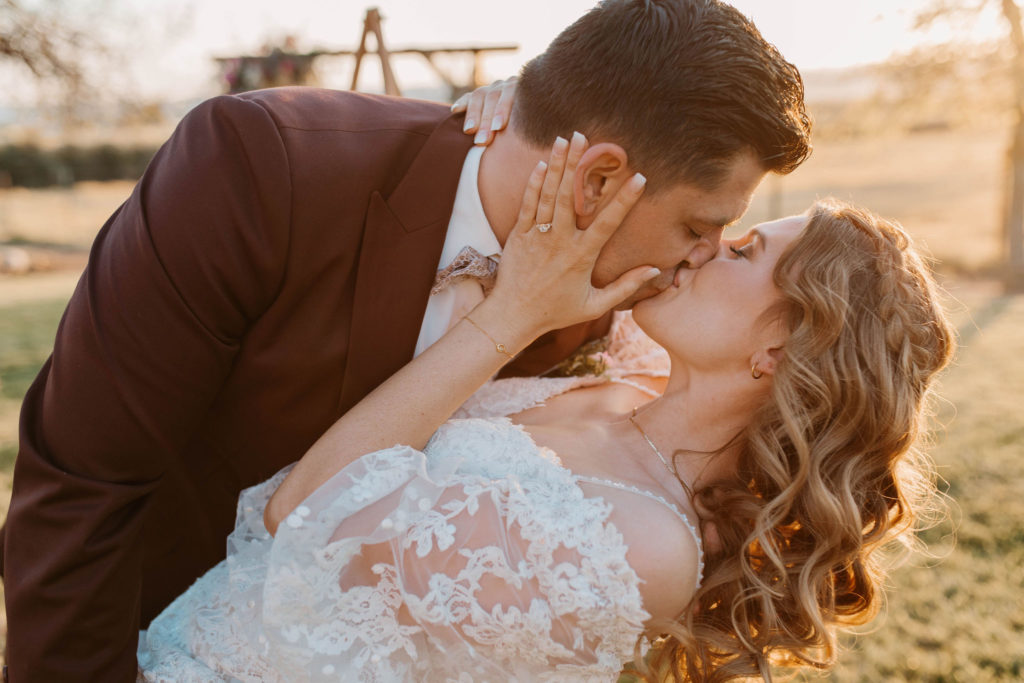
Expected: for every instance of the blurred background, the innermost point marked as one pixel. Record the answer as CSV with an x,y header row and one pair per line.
x,y
919,111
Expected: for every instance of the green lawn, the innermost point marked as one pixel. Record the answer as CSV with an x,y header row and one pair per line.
x,y
26,338
959,616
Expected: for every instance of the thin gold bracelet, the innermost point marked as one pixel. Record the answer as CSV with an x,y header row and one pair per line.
x,y
498,346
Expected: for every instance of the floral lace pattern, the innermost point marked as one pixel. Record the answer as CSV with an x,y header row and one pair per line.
x,y
479,558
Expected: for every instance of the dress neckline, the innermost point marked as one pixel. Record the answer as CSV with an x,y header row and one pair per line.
x,y
653,496
554,458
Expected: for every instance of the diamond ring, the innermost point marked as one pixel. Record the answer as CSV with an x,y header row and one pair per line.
x,y
543,227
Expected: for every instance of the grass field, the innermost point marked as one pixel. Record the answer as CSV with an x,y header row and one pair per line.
x,y
954,616
958,616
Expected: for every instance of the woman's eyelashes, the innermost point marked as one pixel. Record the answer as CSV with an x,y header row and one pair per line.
x,y
744,250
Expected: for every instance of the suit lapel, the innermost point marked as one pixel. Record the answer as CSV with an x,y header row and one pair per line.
x,y
398,258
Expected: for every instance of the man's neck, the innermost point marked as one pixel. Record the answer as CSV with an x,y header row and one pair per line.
x,y
504,169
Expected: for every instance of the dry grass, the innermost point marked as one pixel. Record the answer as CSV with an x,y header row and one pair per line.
x,y
943,186
956,618
64,217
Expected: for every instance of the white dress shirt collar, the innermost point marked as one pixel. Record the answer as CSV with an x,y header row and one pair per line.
x,y
468,227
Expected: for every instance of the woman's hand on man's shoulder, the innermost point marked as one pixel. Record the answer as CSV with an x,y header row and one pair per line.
x,y
488,109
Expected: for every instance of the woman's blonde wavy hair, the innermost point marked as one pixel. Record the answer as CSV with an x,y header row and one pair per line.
x,y
829,472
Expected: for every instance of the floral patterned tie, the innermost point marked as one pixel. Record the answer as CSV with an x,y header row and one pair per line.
x,y
588,359
470,263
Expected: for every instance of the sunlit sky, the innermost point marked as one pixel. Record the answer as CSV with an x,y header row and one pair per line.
x,y
169,43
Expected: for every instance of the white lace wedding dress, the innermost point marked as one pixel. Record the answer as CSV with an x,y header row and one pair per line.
x,y
480,558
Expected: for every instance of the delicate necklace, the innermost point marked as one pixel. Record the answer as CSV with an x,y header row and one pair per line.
x,y
671,468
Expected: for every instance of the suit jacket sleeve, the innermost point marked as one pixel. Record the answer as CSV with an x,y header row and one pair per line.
x,y
175,278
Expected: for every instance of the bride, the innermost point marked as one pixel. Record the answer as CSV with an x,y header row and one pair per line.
x,y
563,524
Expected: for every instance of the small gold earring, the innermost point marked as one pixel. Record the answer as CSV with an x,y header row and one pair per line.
x,y
755,373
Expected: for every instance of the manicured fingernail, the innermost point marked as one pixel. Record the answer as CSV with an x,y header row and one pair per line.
x,y
578,138
496,123
481,136
639,181
561,143
652,272
468,125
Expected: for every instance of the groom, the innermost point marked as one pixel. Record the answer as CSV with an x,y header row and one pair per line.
x,y
275,263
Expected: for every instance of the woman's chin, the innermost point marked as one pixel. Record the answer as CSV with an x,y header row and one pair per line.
x,y
651,313
643,313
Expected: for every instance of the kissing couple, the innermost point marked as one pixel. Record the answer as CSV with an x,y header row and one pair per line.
x,y
315,410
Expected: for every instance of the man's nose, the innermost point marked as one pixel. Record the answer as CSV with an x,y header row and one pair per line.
x,y
705,249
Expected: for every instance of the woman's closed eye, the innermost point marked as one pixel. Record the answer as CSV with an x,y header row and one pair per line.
x,y
741,252
747,246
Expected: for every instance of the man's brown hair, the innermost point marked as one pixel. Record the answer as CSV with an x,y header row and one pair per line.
x,y
682,85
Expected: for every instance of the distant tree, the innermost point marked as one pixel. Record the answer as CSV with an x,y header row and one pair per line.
x,y
42,39
952,12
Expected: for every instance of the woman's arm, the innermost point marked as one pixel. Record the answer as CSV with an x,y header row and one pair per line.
x,y
543,284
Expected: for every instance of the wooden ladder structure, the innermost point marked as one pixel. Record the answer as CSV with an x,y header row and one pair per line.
x,y
372,26
300,64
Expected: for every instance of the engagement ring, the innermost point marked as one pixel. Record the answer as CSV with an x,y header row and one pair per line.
x,y
543,227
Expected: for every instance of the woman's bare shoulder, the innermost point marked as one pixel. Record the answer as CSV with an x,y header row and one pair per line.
x,y
664,548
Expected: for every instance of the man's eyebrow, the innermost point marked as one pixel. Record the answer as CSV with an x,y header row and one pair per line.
x,y
720,224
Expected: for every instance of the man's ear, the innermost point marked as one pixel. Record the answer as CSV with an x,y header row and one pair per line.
x,y
602,170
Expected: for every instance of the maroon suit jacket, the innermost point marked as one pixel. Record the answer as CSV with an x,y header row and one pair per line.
x,y
271,268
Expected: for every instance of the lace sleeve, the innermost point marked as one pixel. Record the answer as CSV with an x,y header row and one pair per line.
x,y
632,352
405,567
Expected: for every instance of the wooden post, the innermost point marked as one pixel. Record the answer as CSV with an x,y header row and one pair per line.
x,y
453,88
371,24
390,84
1013,226
360,51
477,69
